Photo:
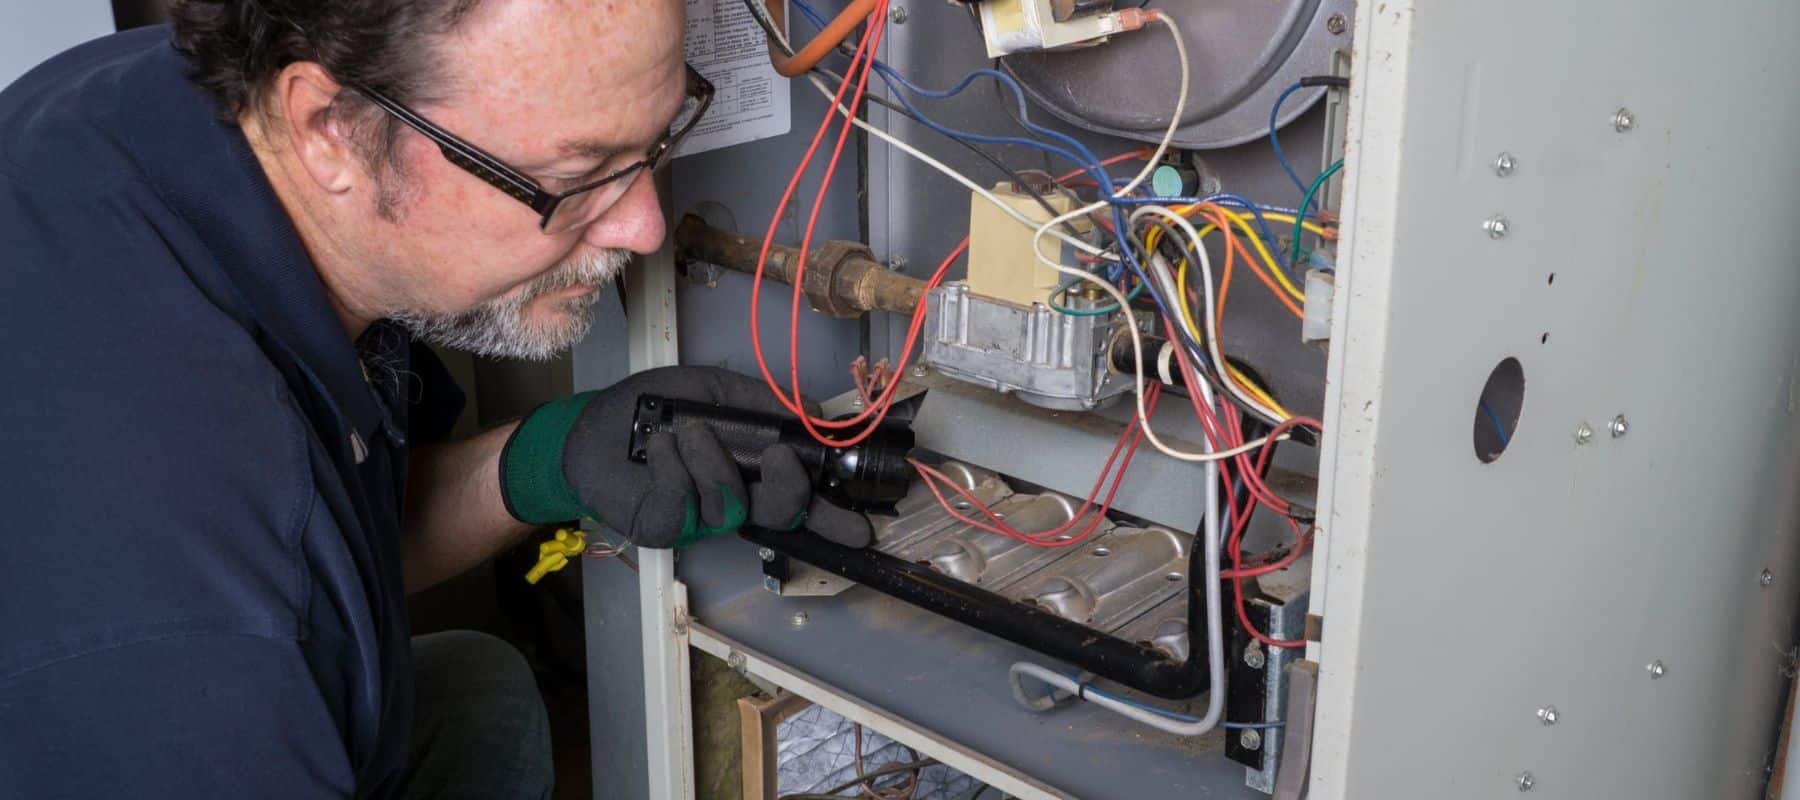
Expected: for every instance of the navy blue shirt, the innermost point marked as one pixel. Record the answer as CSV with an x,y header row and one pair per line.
x,y
200,587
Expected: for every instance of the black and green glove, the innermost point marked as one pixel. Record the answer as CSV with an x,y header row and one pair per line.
x,y
567,461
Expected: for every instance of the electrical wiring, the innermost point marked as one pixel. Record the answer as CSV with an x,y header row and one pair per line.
x,y
835,32
1056,537
778,39
1215,637
1275,137
1307,198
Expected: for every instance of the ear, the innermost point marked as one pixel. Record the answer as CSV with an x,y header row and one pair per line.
x,y
303,95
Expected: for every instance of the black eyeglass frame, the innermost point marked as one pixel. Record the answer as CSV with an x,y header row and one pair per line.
x,y
516,183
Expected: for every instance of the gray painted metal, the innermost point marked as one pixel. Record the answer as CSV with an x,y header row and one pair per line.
x,y
916,216
943,677
737,188
1242,58
1458,597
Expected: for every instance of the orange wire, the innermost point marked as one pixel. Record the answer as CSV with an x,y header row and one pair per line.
x,y
831,36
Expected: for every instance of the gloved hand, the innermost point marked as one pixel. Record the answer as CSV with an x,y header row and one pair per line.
x,y
567,460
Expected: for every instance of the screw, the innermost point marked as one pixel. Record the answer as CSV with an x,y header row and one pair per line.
x,y
1767,578
1336,24
1584,433
765,554
1655,669
1253,657
1504,164
897,15
799,619
897,264
1547,715
1525,781
918,371
1250,739
1623,120
771,585
1495,226
736,661
1619,427
856,402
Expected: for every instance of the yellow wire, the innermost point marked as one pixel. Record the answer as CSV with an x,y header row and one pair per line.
x,y
1187,318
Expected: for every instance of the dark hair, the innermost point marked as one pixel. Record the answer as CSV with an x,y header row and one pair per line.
x,y
237,47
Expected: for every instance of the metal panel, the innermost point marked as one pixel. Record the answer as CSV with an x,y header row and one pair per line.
x,y
1460,597
930,674
916,216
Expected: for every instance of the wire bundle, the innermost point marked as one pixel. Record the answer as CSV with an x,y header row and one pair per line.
x,y
1154,246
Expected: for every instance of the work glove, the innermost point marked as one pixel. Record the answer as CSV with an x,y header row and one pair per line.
x,y
568,460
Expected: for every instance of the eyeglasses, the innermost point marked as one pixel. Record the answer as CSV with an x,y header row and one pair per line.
x,y
558,211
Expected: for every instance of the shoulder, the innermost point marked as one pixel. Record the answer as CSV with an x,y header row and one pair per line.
x,y
157,472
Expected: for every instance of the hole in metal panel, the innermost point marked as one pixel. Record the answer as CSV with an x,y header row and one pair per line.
x,y
1497,410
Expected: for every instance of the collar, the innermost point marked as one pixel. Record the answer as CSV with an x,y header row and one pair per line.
x,y
205,171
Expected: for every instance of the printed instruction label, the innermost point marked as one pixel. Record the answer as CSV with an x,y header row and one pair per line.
x,y
724,43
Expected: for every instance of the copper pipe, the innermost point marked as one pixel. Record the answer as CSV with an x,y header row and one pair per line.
x,y
842,279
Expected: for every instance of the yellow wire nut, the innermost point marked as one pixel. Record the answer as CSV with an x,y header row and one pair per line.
x,y
554,554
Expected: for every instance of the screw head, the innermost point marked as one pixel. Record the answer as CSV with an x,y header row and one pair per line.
x,y
771,585
1253,657
1336,24
1495,226
856,402
1619,426
765,554
918,370
1656,669
1623,120
1767,578
1250,738
897,15
1504,164
1584,433
1547,715
799,619
1524,781
736,661
897,264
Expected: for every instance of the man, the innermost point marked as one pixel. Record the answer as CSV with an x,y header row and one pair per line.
x,y
220,241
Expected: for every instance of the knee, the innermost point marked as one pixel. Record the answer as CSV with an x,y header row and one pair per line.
x,y
477,699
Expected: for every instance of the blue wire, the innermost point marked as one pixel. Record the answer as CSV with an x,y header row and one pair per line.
x,y
1163,712
1499,427
1091,163
1275,140
811,15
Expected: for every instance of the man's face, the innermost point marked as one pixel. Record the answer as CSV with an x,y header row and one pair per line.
x,y
565,91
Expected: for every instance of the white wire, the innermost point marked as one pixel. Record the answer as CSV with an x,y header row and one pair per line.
x,y
1160,268
1215,637
959,177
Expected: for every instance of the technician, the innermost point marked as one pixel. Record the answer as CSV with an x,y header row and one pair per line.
x,y
220,243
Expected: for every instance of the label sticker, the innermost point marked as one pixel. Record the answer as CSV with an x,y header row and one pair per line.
x,y
724,43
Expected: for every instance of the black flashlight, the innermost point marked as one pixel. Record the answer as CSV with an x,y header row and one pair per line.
x,y
870,476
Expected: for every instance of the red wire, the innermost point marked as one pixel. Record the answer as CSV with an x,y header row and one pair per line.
x,y
762,258
1047,538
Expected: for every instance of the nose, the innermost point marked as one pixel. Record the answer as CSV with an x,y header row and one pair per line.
x,y
634,223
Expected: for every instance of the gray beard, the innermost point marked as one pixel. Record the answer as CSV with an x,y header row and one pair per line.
x,y
498,328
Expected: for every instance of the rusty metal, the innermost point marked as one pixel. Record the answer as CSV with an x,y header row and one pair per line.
x,y
842,279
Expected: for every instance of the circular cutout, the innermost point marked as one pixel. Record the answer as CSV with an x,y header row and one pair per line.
x,y
1497,409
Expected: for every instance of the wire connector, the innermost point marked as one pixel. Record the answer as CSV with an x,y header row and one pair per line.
x,y
1132,19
